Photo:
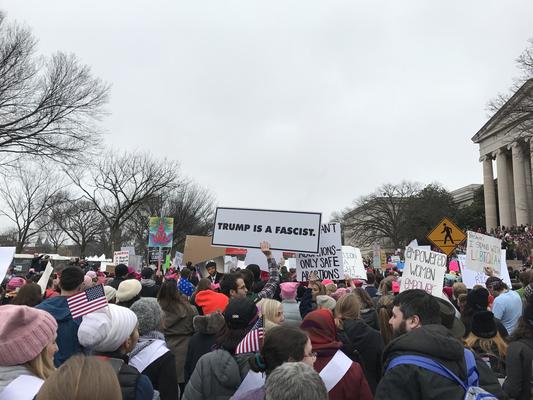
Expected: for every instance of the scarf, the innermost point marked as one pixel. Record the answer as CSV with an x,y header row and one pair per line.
x,y
145,341
320,326
147,282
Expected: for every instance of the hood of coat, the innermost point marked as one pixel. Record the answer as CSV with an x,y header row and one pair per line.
x,y
358,330
208,324
434,341
229,370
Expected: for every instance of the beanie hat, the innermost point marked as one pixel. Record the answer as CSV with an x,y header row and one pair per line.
x,y
91,274
478,299
528,293
107,329
87,281
240,313
210,301
326,301
110,293
288,290
483,325
148,314
121,270
15,283
358,283
128,289
326,282
339,293
185,287
24,333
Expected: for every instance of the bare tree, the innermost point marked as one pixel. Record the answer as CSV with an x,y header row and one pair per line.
x,y
54,234
48,107
28,192
79,221
516,106
117,185
380,215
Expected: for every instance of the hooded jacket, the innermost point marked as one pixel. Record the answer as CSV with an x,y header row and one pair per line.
x,y
206,328
67,328
411,382
358,336
217,376
519,362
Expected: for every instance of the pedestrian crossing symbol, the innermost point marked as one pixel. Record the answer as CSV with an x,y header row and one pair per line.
x,y
446,236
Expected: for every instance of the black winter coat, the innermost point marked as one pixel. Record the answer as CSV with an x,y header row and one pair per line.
x,y
356,335
410,382
519,373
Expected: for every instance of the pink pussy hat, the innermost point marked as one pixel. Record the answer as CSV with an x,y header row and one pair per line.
x,y
288,290
327,281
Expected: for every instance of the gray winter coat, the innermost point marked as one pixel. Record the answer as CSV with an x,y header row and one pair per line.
x,y
217,376
291,312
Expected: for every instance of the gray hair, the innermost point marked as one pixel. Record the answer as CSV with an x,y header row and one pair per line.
x,y
295,380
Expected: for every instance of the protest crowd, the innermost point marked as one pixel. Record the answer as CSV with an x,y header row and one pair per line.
x,y
258,332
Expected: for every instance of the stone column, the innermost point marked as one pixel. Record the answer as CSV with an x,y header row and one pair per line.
x,y
520,188
504,202
489,191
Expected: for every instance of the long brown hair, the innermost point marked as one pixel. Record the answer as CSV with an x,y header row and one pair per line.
x,y
82,378
385,304
170,299
364,298
28,295
348,307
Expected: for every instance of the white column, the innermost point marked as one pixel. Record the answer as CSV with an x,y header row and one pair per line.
x,y
489,191
503,189
520,188
510,182
529,182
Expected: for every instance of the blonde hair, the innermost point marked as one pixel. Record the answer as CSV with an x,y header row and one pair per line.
x,y
41,366
330,288
458,289
269,310
487,345
347,307
82,378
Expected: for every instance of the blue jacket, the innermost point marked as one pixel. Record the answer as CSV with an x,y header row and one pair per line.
x,y
67,328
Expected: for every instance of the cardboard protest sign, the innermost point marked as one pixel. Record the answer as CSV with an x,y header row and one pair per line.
x,y
472,278
43,280
483,251
423,270
121,257
198,249
352,261
284,230
6,256
327,264
160,232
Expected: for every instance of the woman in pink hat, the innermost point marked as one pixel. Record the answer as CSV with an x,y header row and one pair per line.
x,y
27,348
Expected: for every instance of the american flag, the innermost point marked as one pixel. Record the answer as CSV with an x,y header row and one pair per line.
x,y
86,302
250,343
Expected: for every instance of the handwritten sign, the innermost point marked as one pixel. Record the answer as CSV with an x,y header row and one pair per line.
x,y
483,251
472,278
352,261
284,230
423,270
121,257
327,264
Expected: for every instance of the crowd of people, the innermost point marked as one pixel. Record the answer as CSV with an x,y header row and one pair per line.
x,y
180,335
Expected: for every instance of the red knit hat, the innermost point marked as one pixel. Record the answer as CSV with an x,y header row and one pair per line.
x,y
211,301
24,333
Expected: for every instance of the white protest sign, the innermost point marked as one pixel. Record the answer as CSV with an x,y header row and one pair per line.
x,y
483,251
178,259
327,264
6,256
284,230
230,262
121,257
423,270
472,278
291,263
352,261
43,280
256,256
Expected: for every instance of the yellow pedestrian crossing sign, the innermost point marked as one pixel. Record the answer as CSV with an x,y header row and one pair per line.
x,y
446,236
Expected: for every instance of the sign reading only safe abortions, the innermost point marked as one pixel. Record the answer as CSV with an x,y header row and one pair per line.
x,y
284,230
483,251
353,262
327,264
423,270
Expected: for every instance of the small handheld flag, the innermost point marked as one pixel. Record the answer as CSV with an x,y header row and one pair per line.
x,y
88,301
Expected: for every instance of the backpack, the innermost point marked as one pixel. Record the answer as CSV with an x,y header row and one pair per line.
x,y
471,386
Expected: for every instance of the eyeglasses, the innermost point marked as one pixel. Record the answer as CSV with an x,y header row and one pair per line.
x,y
311,355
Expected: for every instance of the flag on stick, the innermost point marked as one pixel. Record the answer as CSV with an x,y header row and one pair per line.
x,y
251,342
88,301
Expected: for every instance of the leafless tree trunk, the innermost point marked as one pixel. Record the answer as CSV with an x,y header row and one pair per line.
x,y
48,107
117,185
28,192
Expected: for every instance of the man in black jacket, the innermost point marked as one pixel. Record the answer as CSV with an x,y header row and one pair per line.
x,y
213,275
416,323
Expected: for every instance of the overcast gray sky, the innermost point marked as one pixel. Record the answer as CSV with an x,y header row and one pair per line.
x,y
296,105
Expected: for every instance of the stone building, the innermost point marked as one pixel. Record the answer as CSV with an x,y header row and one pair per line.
x,y
506,138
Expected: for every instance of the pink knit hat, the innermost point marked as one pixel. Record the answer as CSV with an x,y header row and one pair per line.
x,y
327,281
288,290
24,333
15,282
